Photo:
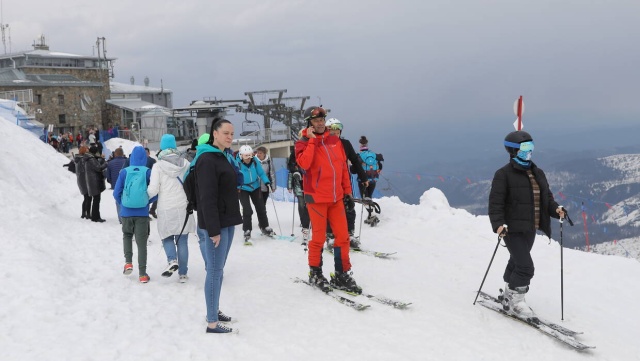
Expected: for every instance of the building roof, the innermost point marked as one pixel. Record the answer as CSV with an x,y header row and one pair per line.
x,y
122,88
17,78
135,105
50,54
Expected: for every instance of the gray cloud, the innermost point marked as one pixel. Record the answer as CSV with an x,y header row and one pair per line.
x,y
408,64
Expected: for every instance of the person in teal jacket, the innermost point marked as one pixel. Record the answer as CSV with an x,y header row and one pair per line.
x,y
250,193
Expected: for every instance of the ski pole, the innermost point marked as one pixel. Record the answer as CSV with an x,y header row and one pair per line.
x,y
276,212
566,215
486,273
561,275
293,216
361,219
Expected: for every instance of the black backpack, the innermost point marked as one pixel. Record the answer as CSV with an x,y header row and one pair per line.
x,y
189,185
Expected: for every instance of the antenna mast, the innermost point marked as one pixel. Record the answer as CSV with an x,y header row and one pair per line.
x,y
4,27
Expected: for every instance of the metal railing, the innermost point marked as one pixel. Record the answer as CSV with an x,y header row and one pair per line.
x,y
21,96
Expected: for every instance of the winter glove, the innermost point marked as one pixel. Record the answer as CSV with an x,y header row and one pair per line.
x,y
349,203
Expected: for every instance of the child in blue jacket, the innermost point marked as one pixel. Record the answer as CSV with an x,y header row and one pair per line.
x,y
135,219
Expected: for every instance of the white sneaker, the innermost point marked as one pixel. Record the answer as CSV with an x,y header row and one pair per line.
x,y
183,279
171,267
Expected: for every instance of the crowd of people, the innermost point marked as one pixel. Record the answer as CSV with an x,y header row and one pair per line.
x,y
228,186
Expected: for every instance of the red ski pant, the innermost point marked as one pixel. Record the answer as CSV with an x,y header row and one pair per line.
x,y
320,213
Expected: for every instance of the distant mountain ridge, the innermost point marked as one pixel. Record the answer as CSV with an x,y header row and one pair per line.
x,y
606,187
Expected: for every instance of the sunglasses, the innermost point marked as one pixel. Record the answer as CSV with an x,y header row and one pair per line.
x,y
524,146
318,112
337,126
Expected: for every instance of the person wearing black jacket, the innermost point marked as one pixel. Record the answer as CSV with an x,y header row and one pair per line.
x,y
335,128
520,203
218,214
94,167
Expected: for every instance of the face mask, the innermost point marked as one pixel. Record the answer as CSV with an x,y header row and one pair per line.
x,y
524,155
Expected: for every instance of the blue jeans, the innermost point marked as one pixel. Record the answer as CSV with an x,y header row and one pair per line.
x,y
216,258
183,251
202,237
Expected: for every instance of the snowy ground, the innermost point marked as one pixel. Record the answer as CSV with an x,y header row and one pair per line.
x,y
63,295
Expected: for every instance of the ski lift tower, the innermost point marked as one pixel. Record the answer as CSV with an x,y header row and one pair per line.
x,y
264,108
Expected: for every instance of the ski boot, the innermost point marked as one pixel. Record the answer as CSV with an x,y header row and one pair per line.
x,y
267,231
305,236
344,281
513,301
354,242
317,279
247,238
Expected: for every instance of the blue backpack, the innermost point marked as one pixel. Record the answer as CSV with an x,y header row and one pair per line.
x,y
134,194
370,164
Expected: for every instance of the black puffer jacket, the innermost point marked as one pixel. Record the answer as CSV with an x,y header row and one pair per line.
x,y
511,200
95,177
217,192
81,172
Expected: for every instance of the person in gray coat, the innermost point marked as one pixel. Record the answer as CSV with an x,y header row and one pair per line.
x,y
94,167
267,167
79,161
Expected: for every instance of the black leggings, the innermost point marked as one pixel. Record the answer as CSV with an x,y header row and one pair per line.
x,y
302,211
95,208
255,197
86,206
368,191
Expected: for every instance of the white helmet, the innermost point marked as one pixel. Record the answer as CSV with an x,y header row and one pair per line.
x,y
332,121
246,149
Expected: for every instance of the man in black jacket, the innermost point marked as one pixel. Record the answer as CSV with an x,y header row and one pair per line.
x,y
335,128
520,203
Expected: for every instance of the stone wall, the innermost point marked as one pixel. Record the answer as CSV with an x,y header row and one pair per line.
x,y
46,98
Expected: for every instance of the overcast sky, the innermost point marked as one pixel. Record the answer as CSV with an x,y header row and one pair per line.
x,y
392,70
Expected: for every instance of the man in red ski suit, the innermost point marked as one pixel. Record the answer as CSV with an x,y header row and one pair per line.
x,y
327,187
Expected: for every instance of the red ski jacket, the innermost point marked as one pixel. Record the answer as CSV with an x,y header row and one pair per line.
x,y
326,177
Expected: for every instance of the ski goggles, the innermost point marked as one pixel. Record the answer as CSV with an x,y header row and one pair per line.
x,y
524,146
336,126
318,112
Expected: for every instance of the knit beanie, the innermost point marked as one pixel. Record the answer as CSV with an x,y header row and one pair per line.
x,y
168,141
204,138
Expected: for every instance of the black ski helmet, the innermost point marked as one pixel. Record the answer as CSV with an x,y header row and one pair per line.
x,y
516,137
314,112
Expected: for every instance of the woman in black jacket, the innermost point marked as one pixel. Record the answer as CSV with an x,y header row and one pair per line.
x,y
94,167
81,177
520,203
218,214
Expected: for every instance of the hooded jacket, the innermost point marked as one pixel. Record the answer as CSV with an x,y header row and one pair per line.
x,y
94,165
138,158
511,200
166,182
267,167
253,174
216,189
114,166
326,178
81,176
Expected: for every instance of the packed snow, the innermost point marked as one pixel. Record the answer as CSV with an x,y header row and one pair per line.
x,y
64,297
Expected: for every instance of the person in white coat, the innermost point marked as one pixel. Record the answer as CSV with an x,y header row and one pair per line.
x,y
166,182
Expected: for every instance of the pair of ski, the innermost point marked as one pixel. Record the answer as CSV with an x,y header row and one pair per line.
x,y
560,333
247,241
367,252
354,304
